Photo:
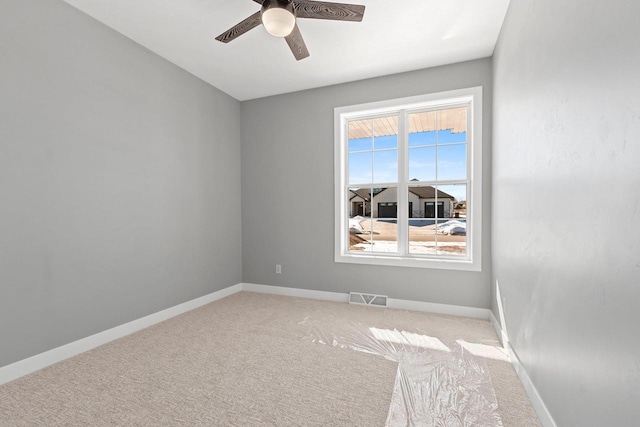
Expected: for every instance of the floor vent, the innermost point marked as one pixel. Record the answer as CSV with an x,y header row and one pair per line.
x,y
367,299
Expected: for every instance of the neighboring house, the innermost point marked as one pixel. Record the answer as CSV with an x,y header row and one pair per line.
x,y
360,202
423,204
460,209
384,203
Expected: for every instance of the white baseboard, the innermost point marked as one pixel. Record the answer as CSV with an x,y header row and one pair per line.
x,y
502,335
429,307
42,360
536,401
296,292
538,404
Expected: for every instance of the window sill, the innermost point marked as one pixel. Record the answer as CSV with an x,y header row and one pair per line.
x,y
398,261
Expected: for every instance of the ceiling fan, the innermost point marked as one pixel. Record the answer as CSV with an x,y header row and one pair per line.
x,y
279,19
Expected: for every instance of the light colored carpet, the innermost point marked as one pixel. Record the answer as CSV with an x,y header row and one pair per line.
x,y
262,360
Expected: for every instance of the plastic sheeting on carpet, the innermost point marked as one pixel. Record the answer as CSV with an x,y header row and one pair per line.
x,y
436,385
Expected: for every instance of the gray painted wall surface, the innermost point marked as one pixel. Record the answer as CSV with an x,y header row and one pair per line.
x,y
119,180
566,205
288,191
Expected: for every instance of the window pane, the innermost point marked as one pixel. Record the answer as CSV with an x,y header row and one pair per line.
x,y
385,203
385,132
451,226
422,164
422,201
422,131
361,129
438,237
385,166
443,204
452,125
386,142
455,200
385,126
384,225
422,139
359,206
385,235
451,238
385,162
360,167
362,144
422,128
422,236
373,150
452,161
359,202
448,137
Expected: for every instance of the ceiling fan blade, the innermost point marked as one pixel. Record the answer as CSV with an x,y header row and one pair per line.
x,y
296,43
259,1
241,28
327,10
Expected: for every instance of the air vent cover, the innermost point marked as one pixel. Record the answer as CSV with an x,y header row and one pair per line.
x,y
367,299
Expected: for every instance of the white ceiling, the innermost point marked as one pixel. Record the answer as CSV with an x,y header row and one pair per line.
x,y
395,36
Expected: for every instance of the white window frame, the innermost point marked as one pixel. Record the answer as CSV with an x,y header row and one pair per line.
x,y
473,97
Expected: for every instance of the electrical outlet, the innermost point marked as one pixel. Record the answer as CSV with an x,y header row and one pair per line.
x,y
278,269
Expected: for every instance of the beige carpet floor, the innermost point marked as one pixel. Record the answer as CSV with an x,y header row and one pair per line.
x,y
264,360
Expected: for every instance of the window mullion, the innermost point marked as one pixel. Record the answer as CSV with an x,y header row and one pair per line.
x,y
470,177
344,185
435,203
403,189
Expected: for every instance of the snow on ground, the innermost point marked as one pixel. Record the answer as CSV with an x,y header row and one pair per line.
x,y
415,247
354,225
452,227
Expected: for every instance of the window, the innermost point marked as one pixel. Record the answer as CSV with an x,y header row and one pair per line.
x,y
408,181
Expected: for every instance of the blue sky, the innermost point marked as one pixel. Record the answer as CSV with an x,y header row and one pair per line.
x,y
376,159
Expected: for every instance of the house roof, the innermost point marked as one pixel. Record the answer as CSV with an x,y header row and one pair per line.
x,y
429,193
360,192
365,193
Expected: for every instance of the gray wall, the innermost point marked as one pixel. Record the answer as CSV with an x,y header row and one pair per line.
x,y
566,205
119,180
288,192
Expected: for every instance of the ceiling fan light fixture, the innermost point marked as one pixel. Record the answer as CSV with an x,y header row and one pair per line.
x,y
277,18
